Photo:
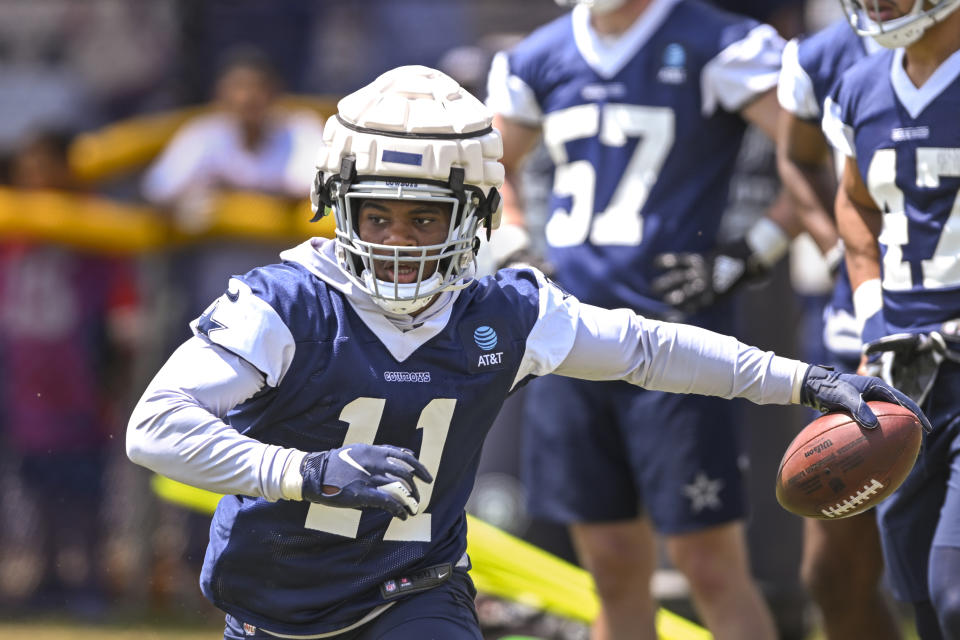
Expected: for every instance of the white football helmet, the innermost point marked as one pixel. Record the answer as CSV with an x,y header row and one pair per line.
x,y
596,6
412,134
897,32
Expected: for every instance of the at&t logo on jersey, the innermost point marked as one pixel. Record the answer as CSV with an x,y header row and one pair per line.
x,y
486,338
485,346
674,69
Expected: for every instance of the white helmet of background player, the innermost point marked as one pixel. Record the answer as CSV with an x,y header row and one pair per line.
x,y
896,32
412,134
596,6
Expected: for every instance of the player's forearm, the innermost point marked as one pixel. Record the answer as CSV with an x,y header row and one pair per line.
x,y
177,429
803,162
808,188
783,213
620,345
519,139
688,359
512,201
174,437
859,226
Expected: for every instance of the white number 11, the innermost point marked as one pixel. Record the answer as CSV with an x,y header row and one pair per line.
x,y
363,416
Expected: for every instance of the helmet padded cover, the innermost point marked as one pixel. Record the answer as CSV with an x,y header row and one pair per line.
x,y
409,105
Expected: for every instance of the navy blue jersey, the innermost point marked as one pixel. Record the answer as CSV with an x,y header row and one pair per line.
x,y
907,146
294,358
643,133
296,567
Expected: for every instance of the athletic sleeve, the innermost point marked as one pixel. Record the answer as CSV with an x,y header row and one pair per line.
x,y
177,427
620,345
742,71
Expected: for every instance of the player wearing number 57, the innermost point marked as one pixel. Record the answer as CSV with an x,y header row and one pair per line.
x,y
340,398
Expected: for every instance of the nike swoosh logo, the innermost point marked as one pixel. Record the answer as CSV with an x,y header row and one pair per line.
x,y
441,576
345,456
232,296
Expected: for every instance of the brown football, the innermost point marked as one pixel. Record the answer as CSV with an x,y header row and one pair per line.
x,y
834,468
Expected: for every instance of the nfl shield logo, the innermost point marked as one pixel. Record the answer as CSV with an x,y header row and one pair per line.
x,y
249,629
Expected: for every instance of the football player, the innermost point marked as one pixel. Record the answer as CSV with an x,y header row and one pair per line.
x,y
894,117
340,399
842,562
643,105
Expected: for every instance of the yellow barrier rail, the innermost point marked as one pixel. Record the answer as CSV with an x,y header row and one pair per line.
x,y
129,144
96,224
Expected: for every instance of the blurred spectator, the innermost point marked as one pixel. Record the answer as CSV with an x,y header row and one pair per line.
x,y
38,93
67,329
247,143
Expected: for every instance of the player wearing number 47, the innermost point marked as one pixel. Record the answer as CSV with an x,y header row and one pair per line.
x,y
895,116
340,399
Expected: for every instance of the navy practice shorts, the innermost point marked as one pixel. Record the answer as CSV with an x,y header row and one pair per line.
x,y
607,451
925,511
446,612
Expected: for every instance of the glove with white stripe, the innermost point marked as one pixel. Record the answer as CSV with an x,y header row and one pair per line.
x,y
361,476
827,390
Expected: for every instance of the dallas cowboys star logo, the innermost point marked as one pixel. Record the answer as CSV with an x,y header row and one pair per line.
x,y
206,323
704,493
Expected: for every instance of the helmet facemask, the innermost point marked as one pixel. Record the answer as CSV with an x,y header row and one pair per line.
x,y
448,265
413,135
896,32
598,7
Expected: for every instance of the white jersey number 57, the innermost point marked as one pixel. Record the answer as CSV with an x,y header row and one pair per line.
x,y
613,124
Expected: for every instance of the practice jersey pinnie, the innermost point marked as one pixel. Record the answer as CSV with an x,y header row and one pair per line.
x,y
644,135
907,146
298,562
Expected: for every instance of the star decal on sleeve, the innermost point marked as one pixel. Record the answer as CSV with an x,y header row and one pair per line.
x,y
206,323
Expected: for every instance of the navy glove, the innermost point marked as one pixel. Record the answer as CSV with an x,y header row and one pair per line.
x,y
828,390
360,476
692,281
